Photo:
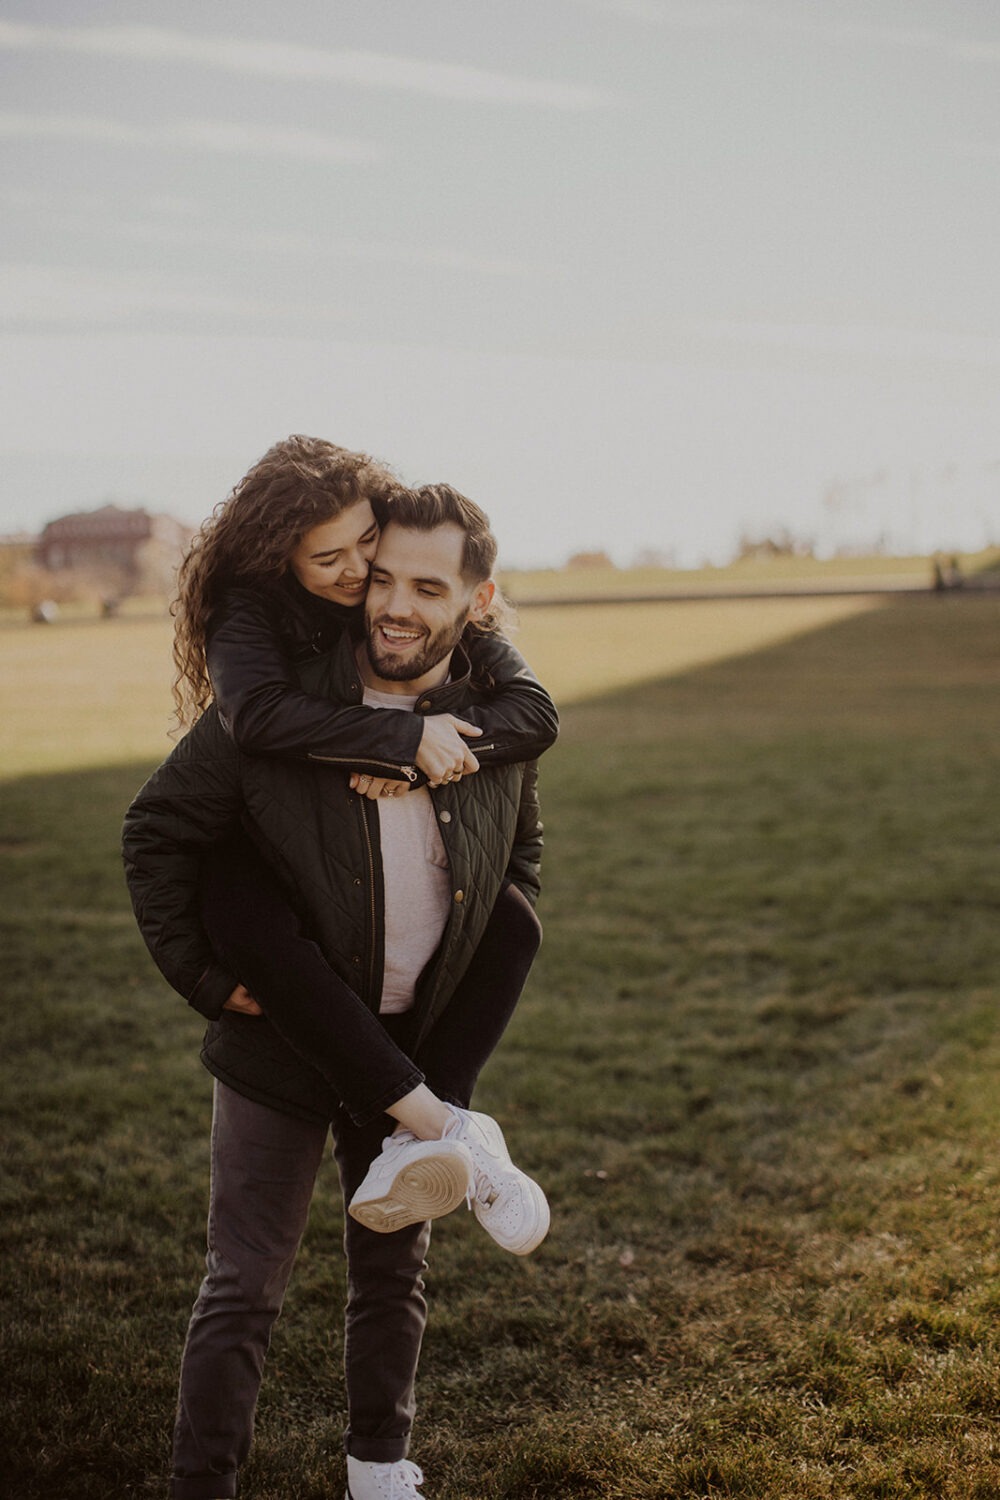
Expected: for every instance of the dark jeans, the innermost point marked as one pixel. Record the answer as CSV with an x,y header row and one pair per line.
x,y
264,1164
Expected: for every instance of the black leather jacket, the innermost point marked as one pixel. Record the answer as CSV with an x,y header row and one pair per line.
x,y
258,641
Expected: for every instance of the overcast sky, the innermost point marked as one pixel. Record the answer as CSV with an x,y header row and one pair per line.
x,y
631,273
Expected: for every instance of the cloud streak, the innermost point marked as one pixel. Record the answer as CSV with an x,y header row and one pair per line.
x,y
695,15
160,221
286,60
281,244
720,15
70,296
218,136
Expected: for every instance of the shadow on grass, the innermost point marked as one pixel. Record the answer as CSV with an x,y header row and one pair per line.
x,y
755,1069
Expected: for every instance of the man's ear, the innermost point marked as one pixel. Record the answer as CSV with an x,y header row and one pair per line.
x,y
482,598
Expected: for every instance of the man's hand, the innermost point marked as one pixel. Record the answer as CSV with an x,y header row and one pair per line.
x,y
242,1000
443,754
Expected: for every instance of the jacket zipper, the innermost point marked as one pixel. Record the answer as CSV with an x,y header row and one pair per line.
x,y
410,772
372,914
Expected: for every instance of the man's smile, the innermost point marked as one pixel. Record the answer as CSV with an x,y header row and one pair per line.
x,y
398,635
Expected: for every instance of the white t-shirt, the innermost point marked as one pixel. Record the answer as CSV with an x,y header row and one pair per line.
x,y
416,880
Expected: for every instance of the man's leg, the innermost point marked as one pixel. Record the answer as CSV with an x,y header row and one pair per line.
x,y
386,1311
509,1204
264,1165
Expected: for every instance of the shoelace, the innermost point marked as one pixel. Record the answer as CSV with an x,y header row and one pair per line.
x,y
481,1188
485,1193
397,1139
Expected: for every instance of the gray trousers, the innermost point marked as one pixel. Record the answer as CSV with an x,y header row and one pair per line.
x,y
264,1165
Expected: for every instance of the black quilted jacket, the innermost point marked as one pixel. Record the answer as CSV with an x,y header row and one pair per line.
x,y
323,841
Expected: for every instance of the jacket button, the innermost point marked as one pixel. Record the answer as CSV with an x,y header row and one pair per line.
x,y
357,880
459,895
445,816
425,705
356,958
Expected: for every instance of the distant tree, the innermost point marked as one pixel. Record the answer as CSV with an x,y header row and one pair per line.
x,y
589,560
782,543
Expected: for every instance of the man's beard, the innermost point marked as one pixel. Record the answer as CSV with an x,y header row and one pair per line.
x,y
427,654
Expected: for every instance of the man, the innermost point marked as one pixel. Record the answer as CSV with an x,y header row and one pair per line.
x,y
401,909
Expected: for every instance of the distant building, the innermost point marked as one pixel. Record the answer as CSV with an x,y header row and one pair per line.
x,y
122,551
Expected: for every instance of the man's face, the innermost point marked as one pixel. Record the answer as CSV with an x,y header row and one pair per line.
x,y
418,604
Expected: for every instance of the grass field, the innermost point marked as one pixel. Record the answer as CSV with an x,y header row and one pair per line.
x,y
94,692
748,574
756,1069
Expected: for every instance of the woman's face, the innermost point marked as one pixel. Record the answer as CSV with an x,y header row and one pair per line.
x,y
332,559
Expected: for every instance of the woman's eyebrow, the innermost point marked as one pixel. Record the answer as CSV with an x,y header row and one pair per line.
x,y
333,551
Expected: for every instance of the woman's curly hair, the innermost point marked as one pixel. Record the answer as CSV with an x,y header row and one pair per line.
x,y
299,483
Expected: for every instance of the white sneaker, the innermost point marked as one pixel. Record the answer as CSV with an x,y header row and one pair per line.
x,y
509,1205
396,1481
410,1181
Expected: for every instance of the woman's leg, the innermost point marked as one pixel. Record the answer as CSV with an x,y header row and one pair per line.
x,y
509,1205
258,936
460,1044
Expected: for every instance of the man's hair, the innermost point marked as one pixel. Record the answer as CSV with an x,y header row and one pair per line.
x,y
434,505
299,483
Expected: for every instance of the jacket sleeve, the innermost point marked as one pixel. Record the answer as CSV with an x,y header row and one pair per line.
x,y
518,718
524,865
191,802
264,708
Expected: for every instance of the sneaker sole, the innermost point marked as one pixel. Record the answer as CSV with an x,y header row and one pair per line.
x,y
423,1190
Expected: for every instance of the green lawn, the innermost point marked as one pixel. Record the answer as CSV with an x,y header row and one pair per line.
x,y
756,1069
